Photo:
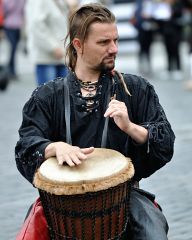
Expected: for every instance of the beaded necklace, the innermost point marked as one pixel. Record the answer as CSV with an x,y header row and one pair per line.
x,y
90,98
90,87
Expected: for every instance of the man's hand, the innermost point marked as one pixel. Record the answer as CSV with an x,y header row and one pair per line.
x,y
118,111
64,152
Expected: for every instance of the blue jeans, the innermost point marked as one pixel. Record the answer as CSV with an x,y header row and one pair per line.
x,y
13,36
44,72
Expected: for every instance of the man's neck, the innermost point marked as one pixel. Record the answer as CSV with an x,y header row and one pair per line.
x,y
87,75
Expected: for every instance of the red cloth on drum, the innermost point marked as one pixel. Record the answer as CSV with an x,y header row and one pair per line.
x,y
35,225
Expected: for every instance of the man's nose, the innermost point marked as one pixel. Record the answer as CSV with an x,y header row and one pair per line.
x,y
113,48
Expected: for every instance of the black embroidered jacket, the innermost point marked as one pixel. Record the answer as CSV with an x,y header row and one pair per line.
x,y
44,122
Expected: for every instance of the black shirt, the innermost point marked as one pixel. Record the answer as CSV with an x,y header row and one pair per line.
x,y
44,122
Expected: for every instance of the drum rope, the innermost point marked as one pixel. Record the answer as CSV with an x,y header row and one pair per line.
x,y
118,203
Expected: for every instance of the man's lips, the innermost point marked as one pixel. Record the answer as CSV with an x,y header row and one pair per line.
x,y
110,58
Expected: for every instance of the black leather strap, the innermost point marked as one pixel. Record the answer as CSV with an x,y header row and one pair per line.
x,y
104,136
67,111
105,129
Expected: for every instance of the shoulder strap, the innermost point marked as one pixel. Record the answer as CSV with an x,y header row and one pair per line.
x,y
104,135
67,111
105,129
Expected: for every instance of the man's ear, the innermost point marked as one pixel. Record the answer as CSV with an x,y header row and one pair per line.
x,y
77,45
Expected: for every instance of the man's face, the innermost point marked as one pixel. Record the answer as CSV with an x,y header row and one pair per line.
x,y
100,47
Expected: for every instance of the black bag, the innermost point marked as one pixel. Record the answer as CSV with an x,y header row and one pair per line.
x,y
4,78
147,220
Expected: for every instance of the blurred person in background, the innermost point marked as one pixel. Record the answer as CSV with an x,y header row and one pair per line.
x,y
146,27
13,12
46,26
188,11
1,20
104,2
169,15
3,75
1,17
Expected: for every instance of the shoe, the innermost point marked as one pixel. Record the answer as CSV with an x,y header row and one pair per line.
x,y
4,79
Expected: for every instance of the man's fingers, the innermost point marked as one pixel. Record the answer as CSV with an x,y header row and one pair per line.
x,y
114,110
69,161
114,101
75,159
65,158
116,113
81,155
60,159
87,150
109,112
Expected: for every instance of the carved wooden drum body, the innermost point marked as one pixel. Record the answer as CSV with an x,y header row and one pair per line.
x,y
88,201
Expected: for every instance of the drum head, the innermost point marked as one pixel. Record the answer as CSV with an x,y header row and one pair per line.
x,y
102,169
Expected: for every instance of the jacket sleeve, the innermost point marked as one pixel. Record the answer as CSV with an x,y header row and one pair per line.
x,y
159,148
34,137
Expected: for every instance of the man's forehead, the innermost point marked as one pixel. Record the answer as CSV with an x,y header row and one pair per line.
x,y
103,29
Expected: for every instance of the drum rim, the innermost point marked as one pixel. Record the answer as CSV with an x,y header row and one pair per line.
x,y
60,188
83,186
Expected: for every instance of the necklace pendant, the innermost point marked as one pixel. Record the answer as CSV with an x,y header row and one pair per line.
x,y
91,88
90,95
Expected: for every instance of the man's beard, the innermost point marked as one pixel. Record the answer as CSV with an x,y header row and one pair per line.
x,y
104,67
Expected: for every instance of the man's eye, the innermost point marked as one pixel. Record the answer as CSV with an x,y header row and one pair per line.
x,y
104,42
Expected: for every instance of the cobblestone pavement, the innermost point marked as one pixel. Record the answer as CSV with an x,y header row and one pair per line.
x,y
171,184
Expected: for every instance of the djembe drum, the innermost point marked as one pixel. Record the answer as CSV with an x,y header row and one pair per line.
x,y
88,201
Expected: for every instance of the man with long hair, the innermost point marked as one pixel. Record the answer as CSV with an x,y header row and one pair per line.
x,y
137,125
